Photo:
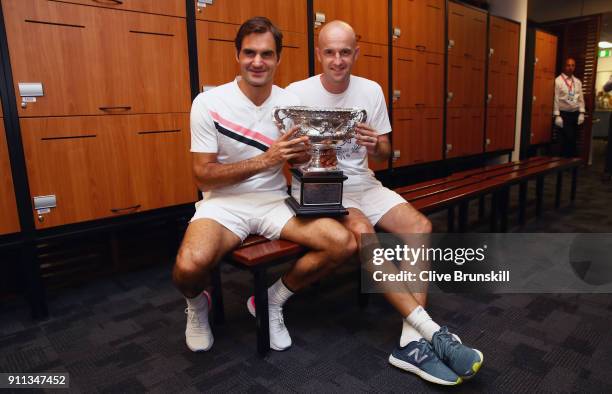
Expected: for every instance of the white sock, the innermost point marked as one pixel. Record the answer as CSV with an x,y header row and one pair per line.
x,y
278,294
199,302
409,334
422,322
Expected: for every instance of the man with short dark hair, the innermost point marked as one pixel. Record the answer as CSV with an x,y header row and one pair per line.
x,y
568,108
238,154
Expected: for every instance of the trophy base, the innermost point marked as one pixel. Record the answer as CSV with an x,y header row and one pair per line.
x,y
316,193
308,211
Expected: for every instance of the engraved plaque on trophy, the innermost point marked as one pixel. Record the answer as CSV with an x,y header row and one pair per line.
x,y
316,187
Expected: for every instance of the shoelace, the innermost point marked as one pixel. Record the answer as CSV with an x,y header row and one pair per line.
x,y
278,318
445,344
194,319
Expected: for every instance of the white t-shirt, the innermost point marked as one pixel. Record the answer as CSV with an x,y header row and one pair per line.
x,y
226,122
361,93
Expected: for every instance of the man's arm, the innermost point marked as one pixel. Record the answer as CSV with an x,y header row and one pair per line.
x,y
210,174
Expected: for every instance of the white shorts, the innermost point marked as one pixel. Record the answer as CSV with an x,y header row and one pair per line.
x,y
371,198
263,213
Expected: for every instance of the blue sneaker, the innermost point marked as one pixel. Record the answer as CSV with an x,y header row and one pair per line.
x,y
464,360
419,358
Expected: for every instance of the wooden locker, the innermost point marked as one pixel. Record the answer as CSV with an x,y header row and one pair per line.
x,y
506,137
418,79
493,129
408,82
497,42
286,15
464,132
495,86
421,24
159,159
369,18
432,127
294,59
457,95
117,62
165,7
477,35
407,135
9,220
509,81
475,88
467,31
216,53
105,166
372,63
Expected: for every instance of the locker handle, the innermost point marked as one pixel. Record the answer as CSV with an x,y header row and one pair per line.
x,y
358,37
419,104
118,210
122,107
421,48
109,2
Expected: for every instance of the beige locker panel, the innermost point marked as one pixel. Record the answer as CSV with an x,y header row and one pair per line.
x,y
9,220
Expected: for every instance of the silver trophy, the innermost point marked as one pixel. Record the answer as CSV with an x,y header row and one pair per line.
x,y
316,187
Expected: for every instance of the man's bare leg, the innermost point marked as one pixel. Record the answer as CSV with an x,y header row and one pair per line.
x,y
203,246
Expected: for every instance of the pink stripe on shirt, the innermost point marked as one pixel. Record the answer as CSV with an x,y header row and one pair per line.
x,y
241,130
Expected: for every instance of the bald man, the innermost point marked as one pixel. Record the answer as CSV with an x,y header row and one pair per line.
x,y
425,348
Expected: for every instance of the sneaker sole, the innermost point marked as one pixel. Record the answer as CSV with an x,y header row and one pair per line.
x,y
419,372
251,308
475,367
201,350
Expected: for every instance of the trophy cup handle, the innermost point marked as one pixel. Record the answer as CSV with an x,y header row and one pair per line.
x,y
279,116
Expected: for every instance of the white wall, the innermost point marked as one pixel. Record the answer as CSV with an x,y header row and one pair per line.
x,y
515,10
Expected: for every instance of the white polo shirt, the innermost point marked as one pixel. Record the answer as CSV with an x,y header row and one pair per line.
x,y
361,93
226,122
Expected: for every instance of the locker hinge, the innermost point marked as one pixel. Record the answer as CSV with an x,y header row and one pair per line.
x,y
319,19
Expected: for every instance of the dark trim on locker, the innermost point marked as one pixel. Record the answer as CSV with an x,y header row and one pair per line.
x,y
30,268
390,79
507,19
468,5
445,92
310,32
528,79
192,49
486,83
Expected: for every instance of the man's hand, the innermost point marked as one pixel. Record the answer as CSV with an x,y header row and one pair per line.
x,y
559,121
285,148
580,119
367,136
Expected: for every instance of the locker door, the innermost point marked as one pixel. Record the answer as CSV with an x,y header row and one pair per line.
x,y
368,17
407,78
457,30
216,53
432,80
493,131
8,206
405,15
457,81
294,59
407,136
165,7
431,129
431,26
372,63
475,84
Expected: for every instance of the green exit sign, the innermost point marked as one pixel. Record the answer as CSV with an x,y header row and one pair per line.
x,y
605,52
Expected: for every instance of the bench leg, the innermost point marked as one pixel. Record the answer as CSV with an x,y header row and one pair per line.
x,y
451,220
522,202
574,182
481,207
217,296
261,310
494,209
539,195
463,216
503,209
558,189
35,289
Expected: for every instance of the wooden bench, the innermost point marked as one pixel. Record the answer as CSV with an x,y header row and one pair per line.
x,y
257,253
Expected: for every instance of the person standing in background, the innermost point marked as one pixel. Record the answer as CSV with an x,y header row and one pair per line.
x,y
568,108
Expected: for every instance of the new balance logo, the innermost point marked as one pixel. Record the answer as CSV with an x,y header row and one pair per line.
x,y
415,355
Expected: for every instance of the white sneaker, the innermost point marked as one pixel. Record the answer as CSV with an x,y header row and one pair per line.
x,y
198,336
279,335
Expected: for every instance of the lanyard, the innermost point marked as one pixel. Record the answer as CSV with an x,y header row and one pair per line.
x,y
570,87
